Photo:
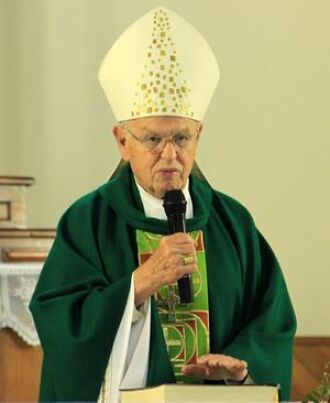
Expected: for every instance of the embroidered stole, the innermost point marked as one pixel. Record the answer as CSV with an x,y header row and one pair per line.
x,y
185,326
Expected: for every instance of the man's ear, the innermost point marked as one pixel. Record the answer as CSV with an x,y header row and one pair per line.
x,y
121,139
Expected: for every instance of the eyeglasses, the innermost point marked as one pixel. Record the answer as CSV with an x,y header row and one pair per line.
x,y
156,142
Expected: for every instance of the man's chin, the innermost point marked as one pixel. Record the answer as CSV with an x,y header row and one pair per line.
x,y
170,186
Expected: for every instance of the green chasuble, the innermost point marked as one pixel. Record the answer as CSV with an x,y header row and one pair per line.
x,y
82,290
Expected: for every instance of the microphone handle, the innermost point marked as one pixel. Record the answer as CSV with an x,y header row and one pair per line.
x,y
185,289
178,224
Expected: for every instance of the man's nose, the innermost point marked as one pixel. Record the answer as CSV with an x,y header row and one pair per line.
x,y
169,151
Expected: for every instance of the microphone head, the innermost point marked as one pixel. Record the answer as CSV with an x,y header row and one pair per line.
x,y
174,203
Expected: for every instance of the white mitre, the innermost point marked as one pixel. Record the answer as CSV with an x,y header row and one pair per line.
x,y
160,66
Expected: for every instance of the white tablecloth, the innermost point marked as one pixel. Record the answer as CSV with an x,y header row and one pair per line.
x,y
17,283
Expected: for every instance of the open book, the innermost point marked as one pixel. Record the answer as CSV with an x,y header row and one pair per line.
x,y
177,393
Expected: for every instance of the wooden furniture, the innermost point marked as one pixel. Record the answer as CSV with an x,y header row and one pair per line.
x,y
20,363
310,356
12,201
20,368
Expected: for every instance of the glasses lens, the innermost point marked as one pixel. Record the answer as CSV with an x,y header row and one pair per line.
x,y
151,142
182,140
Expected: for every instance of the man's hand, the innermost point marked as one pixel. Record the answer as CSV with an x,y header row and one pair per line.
x,y
165,266
217,367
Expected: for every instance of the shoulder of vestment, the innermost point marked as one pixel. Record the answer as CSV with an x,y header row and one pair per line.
x,y
232,208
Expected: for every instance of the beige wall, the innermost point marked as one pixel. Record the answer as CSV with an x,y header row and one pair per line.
x,y
266,139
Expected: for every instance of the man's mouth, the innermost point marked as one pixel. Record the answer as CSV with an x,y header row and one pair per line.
x,y
167,171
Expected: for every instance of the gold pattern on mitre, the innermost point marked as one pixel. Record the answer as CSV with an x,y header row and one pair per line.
x,y
159,66
169,92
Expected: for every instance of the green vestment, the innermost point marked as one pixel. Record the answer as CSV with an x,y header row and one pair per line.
x,y
82,291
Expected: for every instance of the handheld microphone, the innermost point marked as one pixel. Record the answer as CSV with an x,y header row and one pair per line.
x,y
175,206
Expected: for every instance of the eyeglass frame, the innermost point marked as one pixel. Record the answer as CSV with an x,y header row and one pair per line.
x,y
158,147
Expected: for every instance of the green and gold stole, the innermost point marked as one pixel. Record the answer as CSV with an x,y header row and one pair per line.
x,y
185,326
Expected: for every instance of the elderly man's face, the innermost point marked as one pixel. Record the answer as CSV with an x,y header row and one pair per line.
x,y
161,150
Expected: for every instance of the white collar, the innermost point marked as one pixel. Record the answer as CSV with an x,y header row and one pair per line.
x,y
153,207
